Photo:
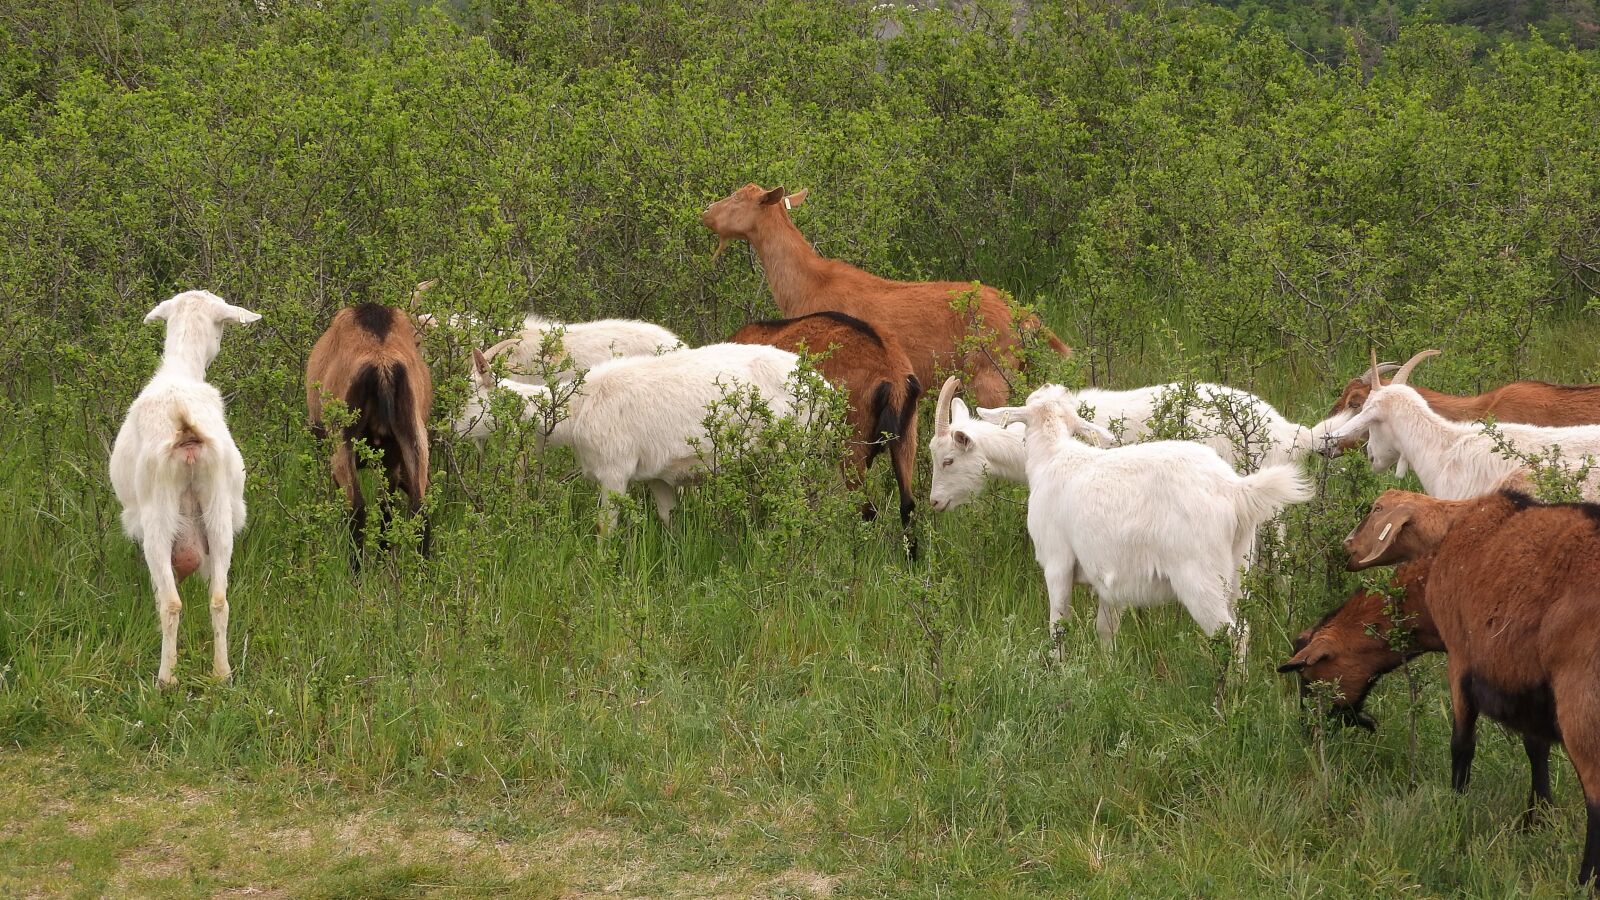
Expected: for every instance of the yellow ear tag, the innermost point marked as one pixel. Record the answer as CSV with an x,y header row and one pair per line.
x,y
786,203
1384,534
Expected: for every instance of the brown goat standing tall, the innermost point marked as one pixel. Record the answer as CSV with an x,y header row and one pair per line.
x,y
1350,646
369,359
883,389
1526,402
918,314
1515,594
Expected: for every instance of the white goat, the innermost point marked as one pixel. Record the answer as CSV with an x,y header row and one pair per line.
x,y
1458,460
1239,426
638,418
178,473
1143,525
586,344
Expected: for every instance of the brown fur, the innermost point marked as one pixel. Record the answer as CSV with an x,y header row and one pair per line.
x,y
369,358
917,313
868,365
1526,402
1350,646
1515,595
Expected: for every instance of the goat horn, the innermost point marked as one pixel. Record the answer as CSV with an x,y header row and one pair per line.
x,y
1384,368
1372,374
1405,370
941,412
422,289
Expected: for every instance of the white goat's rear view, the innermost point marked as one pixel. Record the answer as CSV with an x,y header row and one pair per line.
x,y
642,418
178,473
1143,525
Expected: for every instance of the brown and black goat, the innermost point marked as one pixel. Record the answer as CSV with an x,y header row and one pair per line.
x,y
369,359
1525,402
1351,648
1514,590
882,388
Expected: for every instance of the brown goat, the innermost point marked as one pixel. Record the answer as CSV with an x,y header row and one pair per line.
x,y
369,359
1350,647
918,314
1525,402
883,390
1514,591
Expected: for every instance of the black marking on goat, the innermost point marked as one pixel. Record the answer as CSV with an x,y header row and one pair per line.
x,y
1530,710
376,318
848,321
1522,502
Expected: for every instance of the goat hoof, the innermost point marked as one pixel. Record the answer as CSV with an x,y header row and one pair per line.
x,y
166,682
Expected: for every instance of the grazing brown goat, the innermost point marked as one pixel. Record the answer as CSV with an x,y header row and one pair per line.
x,y
1514,590
369,359
1350,646
918,314
1525,402
883,389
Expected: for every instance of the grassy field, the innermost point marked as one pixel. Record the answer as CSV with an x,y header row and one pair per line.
x,y
705,709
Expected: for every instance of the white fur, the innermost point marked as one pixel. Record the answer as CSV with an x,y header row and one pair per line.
x,y
1456,460
183,498
973,449
587,344
634,419
1145,524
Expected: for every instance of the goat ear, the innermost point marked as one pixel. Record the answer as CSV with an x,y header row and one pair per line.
x,y
773,196
958,410
1102,435
1389,528
1306,657
239,314
796,198
480,368
161,312
962,439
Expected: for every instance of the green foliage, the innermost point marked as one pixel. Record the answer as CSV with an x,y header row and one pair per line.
x,y
1181,193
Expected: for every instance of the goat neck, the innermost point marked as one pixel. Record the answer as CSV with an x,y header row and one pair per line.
x,y
789,261
1050,441
1423,438
1004,451
192,342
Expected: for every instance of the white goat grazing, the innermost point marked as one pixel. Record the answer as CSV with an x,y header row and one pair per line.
x,y
1143,524
1458,460
586,344
178,473
1243,429
638,418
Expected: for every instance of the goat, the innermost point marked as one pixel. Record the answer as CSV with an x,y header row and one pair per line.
x,y
1242,428
1143,525
535,351
178,473
1456,460
882,388
1522,582
369,359
921,315
1524,402
640,418
1350,646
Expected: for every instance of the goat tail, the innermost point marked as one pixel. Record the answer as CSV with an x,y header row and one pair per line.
x,y
189,443
1056,343
885,418
1265,493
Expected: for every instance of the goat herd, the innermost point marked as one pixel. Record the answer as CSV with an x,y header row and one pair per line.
x,y
1508,586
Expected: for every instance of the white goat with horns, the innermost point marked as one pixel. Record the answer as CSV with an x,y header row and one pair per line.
x,y
1143,525
1458,460
1242,429
178,473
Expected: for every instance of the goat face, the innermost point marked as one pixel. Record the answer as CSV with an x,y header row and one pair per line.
x,y
739,214
1385,536
959,468
1346,651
